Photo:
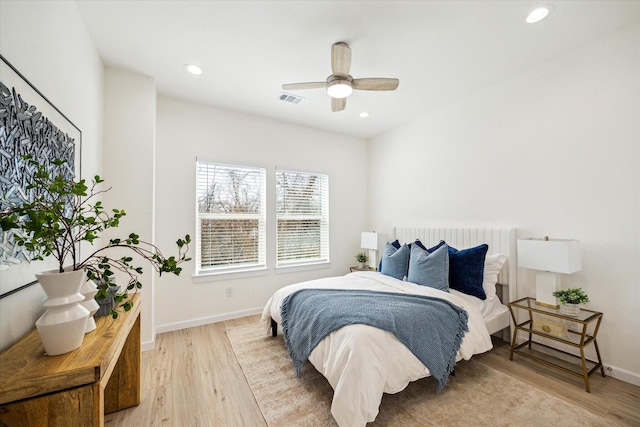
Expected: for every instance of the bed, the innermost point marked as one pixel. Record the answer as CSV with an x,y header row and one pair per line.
x,y
362,362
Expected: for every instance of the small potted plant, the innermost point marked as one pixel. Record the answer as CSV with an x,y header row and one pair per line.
x,y
362,258
570,300
60,215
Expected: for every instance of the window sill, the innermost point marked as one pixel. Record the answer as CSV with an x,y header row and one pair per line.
x,y
302,267
229,275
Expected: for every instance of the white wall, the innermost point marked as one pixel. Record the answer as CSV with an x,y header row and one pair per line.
x,y
49,44
553,151
186,130
129,143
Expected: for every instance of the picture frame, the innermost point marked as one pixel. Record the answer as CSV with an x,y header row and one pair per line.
x,y
29,124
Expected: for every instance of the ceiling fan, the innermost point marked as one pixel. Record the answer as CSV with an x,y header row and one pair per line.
x,y
340,84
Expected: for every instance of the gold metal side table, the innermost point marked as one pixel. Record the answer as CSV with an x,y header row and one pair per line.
x,y
586,322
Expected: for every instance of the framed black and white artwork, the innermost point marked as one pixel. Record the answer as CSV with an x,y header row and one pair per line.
x,y
29,124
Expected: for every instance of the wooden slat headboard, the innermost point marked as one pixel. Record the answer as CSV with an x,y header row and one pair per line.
x,y
500,241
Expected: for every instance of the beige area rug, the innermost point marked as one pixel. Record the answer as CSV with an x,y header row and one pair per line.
x,y
476,396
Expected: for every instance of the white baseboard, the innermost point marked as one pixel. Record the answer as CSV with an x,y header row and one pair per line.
x,y
622,374
149,345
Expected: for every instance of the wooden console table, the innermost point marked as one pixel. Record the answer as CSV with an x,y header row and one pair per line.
x,y
76,388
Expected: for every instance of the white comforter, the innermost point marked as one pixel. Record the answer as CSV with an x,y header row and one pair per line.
x,y
362,362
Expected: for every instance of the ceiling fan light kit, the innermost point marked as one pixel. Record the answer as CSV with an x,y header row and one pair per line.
x,y
340,84
338,87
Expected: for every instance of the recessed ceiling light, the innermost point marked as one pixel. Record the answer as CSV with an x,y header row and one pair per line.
x,y
539,14
364,114
193,69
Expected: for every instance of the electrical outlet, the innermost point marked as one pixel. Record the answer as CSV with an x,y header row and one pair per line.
x,y
229,291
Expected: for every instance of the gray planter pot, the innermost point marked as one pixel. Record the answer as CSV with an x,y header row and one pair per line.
x,y
107,304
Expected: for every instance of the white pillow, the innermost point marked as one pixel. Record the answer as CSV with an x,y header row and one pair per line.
x,y
492,265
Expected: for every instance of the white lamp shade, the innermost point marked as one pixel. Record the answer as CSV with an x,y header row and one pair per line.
x,y
372,240
554,255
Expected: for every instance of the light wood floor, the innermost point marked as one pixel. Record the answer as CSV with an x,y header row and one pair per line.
x,y
192,378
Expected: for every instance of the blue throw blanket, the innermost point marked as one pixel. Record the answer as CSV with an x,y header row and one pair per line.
x,y
431,328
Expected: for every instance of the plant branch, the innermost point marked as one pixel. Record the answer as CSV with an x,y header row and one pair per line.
x,y
62,215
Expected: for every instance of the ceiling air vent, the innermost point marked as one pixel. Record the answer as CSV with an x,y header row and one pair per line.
x,y
287,97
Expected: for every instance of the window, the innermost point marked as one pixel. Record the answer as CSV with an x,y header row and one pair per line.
x,y
302,214
231,217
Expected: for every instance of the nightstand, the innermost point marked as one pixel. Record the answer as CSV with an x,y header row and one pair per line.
x,y
547,325
356,268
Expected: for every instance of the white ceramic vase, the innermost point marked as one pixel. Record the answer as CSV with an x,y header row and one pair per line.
x,y
570,309
89,290
62,326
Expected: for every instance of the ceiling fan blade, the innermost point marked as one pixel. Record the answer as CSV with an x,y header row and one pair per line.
x,y
301,86
338,104
340,59
375,84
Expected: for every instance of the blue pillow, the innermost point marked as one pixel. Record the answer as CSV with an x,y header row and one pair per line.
x,y
429,268
419,243
395,262
396,245
466,270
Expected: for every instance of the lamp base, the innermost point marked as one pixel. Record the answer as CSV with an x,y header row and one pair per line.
x,y
546,284
373,259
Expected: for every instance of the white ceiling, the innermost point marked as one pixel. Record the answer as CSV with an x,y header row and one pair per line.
x,y
441,51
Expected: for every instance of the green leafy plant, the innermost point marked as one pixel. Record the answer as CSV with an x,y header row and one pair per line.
x,y
571,296
63,213
362,257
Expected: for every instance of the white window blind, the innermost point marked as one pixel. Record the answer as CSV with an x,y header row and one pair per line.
x,y
302,214
231,217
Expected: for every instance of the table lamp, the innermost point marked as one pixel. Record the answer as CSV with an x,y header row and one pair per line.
x,y
374,242
550,257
